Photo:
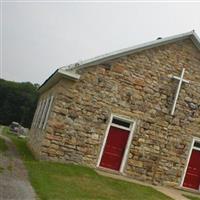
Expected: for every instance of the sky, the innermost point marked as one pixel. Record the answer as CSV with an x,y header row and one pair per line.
x,y
38,37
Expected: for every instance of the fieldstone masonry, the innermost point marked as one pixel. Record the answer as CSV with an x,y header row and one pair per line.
x,y
137,87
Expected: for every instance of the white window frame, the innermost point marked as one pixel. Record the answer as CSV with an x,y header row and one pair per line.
x,y
48,111
44,112
195,139
130,137
36,114
39,114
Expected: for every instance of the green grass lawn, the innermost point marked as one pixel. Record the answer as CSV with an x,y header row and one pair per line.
x,y
56,181
191,197
3,146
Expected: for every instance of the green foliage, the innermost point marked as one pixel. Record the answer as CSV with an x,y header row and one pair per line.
x,y
67,181
17,102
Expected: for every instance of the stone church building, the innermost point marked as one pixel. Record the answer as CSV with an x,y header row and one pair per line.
x,y
135,111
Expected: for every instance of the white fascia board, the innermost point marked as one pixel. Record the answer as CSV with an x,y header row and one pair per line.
x,y
137,48
54,78
69,74
195,38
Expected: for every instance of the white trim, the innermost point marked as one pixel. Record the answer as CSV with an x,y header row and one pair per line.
x,y
128,145
196,148
104,140
36,114
48,111
188,160
70,74
39,113
137,48
120,127
69,71
122,118
56,76
44,111
131,131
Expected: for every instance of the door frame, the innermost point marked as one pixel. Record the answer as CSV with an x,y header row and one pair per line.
x,y
131,131
194,139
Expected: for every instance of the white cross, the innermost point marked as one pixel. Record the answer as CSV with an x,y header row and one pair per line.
x,y
181,80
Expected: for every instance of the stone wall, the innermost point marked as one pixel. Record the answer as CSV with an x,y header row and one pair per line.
x,y
138,87
36,135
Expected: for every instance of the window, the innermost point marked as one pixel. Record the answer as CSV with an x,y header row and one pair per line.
x,y
36,114
42,112
47,111
197,144
120,122
39,113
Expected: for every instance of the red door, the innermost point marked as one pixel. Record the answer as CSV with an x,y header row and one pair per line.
x,y
114,148
192,177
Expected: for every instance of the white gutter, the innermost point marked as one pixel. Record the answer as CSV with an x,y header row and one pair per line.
x,y
127,51
69,72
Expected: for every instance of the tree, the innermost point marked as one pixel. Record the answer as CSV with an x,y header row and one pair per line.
x,y
17,102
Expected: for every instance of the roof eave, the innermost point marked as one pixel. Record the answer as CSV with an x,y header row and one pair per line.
x,y
195,38
70,72
55,77
127,51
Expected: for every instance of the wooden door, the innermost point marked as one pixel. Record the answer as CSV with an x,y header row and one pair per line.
x,y
114,148
192,177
